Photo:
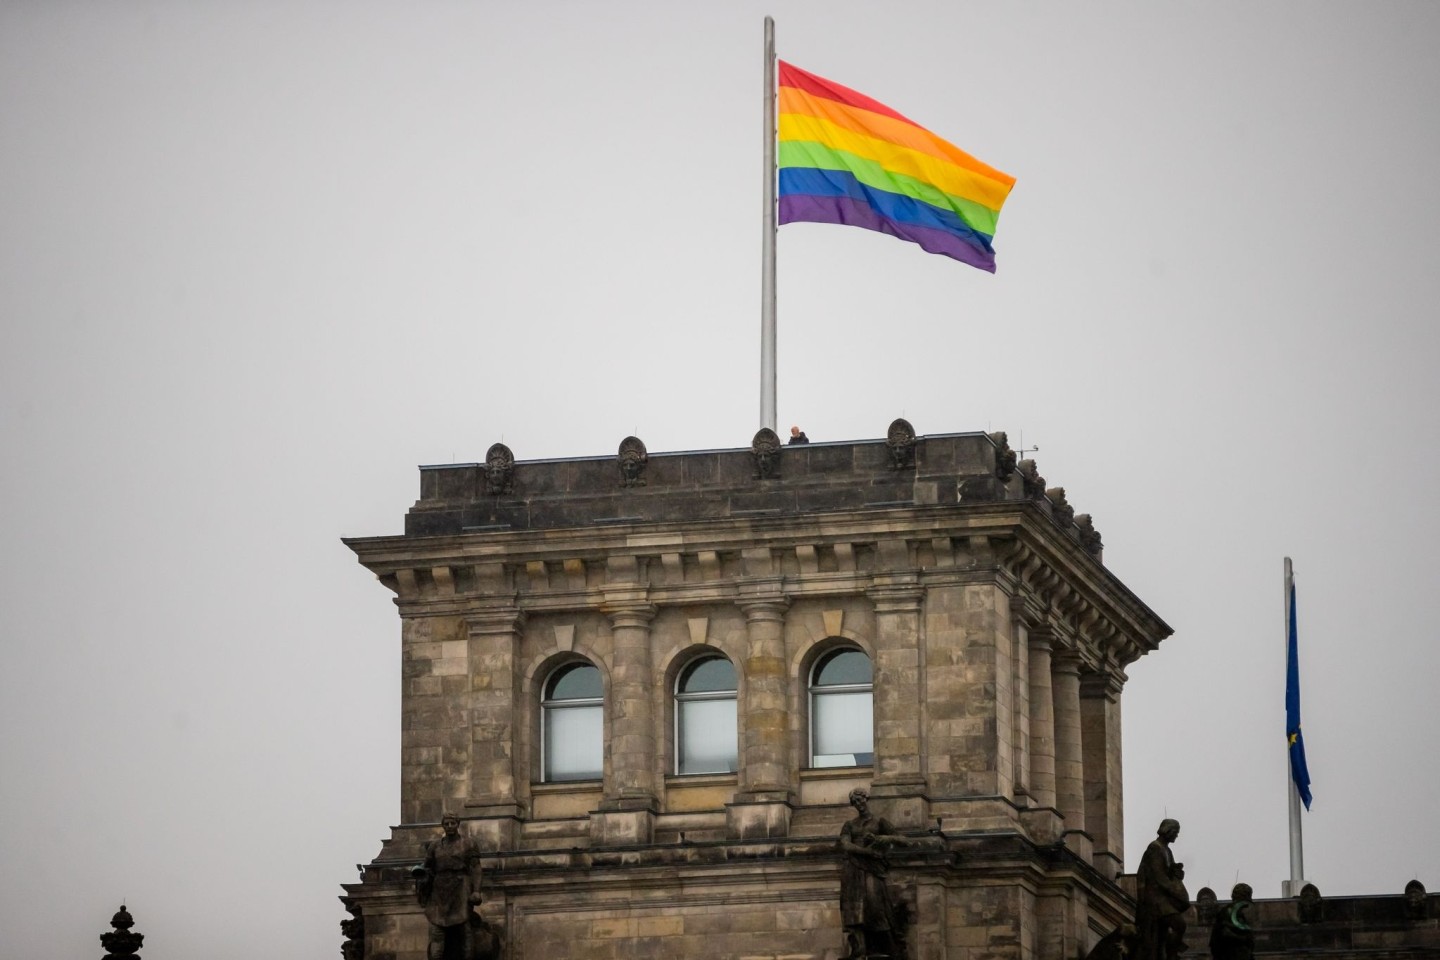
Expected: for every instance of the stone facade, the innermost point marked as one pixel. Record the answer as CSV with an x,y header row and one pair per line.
x,y
998,642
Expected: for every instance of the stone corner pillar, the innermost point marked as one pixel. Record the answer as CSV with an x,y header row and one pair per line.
x,y
492,807
764,802
899,779
627,812
1069,756
1104,780
1042,818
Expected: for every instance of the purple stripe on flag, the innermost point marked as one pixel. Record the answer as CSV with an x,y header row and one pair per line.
x,y
804,208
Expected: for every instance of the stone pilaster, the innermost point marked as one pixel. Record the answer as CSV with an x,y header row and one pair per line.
x,y
627,813
495,708
898,702
763,804
1042,819
1020,707
1069,756
1104,803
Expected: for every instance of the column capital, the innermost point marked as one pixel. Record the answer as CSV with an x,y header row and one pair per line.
x,y
761,609
902,597
629,612
1066,660
501,620
1102,683
1041,638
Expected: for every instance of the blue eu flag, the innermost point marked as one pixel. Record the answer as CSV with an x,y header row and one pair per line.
x,y
1298,771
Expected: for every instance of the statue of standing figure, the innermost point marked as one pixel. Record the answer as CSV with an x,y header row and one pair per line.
x,y
448,887
1162,901
872,928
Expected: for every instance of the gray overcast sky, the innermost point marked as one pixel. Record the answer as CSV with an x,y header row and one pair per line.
x,y
259,260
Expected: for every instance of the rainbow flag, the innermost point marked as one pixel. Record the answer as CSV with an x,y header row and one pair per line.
x,y
845,158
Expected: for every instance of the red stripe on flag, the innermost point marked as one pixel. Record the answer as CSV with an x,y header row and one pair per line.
x,y
792,76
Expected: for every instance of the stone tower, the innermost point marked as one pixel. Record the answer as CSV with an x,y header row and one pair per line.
x,y
647,683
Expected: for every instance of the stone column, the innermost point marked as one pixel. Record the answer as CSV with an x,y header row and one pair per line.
x,y
762,805
494,692
1042,721
1020,720
1069,758
1104,804
627,814
897,700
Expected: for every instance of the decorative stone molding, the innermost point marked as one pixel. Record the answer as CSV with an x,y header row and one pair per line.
x,y
1032,482
900,438
1089,536
632,458
499,470
765,449
1061,510
1004,456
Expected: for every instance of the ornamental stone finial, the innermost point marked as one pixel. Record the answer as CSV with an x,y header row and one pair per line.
x,y
121,943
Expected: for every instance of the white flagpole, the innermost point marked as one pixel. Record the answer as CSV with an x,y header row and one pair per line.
x,y
767,246
1291,888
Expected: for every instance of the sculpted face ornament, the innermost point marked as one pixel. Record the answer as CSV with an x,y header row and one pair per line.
x,y
499,470
765,450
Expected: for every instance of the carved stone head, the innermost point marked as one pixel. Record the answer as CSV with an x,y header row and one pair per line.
x,y
900,438
1033,483
1004,456
633,459
765,449
1310,903
1205,908
499,470
1415,900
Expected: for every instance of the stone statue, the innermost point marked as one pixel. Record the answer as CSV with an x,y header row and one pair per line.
x,y
1162,898
1310,907
448,887
872,927
353,930
122,943
1232,937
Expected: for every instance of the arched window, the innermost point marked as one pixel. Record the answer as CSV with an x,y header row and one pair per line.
x,y
572,721
705,717
842,726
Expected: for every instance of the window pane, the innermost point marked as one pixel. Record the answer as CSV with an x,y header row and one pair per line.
x,y
707,736
574,743
844,729
715,673
847,666
578,681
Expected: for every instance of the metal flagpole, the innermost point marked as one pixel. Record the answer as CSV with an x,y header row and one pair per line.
x,y
767,246
1291,887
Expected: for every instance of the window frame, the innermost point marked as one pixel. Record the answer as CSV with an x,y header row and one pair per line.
x,y
813,689
548,704
679,698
